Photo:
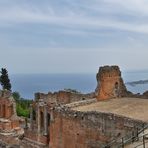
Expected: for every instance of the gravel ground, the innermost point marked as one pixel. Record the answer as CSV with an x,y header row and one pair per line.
x,y
135,108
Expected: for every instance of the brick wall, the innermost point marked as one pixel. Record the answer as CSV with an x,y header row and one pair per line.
x,y
88,130
62,97
6,108
36,137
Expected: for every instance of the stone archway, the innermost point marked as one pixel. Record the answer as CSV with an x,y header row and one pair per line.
x,y
116,85
48,125
116,89
48,119
0,110
42,121
34,115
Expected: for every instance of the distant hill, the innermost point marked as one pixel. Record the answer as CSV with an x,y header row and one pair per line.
x,y
134,83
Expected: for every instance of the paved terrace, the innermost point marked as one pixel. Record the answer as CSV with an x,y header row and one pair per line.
x,y
135,108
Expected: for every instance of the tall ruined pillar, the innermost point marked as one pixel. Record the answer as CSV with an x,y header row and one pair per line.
x,y
39,119
31,117
110,83
45,121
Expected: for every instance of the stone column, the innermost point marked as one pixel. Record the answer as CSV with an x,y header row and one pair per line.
x,y
39,119
45,121
51,116
31,117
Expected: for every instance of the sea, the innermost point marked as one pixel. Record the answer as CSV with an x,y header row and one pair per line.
x,y
28,84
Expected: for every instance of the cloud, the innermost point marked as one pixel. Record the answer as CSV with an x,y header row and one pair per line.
x,y
73,35
71,15
131,6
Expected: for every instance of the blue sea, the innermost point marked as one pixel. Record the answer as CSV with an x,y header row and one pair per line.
x,y
28,84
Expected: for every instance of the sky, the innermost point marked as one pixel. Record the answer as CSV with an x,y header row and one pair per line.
x,y
73,36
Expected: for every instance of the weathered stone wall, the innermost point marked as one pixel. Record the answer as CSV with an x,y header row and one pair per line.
x,y
62,97
36,137
138,95
9,119
87,130
5,93
9,142
7,104
5,125
110,83
8,125
6,108
145,95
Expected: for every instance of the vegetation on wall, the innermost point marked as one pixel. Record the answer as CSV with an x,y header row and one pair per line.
x,y
22,105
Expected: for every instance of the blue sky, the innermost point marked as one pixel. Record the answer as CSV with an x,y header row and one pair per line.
x,y
73,36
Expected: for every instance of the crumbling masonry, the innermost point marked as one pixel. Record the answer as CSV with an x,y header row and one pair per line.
x,y
110,83
8,117
72,120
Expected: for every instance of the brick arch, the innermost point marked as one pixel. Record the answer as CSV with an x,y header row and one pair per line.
x,y
42,120
116,85
48,119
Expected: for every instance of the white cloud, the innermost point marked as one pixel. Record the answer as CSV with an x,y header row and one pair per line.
x,y
76,18
135,6
74,33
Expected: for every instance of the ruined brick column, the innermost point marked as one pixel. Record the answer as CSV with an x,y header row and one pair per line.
x,y
39,119
3,111
45,121
0,111
31,117
110,83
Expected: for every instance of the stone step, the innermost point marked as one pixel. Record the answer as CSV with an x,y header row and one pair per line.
x,y
31,144
139,143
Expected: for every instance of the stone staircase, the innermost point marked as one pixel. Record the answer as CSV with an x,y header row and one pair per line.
x,y
139,139
28,143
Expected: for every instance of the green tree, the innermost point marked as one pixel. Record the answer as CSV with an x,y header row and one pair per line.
x,y
16,96
4,79
22,105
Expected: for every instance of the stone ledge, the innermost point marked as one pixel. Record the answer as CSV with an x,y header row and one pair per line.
x,y
95,117
81,103
4,120
33,143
